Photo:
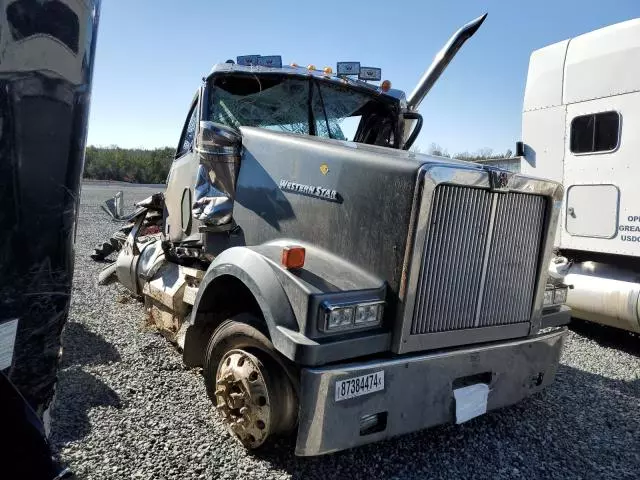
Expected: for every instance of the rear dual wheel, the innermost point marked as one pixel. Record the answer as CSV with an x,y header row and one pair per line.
x,y
249,382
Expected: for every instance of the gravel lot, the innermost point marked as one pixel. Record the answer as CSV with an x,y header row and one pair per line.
x,y
127,408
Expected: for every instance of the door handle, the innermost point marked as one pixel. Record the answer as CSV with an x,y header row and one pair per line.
x,y
571,212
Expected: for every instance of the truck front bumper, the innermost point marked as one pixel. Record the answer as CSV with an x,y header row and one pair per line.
x,y
418,390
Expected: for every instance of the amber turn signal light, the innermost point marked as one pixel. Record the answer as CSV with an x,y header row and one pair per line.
x,y
292,257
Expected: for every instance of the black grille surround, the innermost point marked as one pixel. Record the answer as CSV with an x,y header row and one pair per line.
x,y
480,259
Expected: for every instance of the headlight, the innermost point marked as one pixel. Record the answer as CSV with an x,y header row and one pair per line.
x,y
357,315
369,314
339,317
548,297
560,295
555,295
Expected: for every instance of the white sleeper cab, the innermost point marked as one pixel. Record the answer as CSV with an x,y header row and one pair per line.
x,y
580,125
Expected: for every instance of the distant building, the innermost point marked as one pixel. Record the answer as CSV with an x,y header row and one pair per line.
x,y
512,164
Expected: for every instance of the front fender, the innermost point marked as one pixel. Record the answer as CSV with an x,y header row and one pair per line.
x,y
262,276
255,272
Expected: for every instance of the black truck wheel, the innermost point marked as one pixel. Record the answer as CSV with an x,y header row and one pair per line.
x,y
248,382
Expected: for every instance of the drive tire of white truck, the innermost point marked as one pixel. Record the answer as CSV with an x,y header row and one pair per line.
x,y
248,381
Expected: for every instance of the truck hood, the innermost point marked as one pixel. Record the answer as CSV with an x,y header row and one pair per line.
x,y
351,200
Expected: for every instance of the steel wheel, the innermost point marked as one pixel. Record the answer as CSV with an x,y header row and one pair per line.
x,y
243,397
249,386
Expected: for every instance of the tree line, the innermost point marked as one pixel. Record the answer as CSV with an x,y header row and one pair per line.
x,y
482,154
133,165
137,165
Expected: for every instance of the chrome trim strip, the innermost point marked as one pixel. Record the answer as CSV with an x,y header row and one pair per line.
x,y
485,261
415,211
554,206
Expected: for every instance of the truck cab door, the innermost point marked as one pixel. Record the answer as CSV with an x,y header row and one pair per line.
x,y
179,225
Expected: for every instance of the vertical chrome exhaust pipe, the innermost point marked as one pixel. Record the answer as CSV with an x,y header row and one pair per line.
x,y
441,60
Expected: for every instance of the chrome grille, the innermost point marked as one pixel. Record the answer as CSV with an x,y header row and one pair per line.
x,y
513,257
477,271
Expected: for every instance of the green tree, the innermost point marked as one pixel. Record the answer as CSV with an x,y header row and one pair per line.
x,y
129,165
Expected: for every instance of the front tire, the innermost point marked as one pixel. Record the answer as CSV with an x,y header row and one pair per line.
x,y
249,382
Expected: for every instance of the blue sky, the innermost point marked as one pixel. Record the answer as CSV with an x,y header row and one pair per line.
x,y
152,54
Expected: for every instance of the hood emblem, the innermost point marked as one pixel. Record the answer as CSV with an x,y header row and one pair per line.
x,y
499,180
324,168
310,191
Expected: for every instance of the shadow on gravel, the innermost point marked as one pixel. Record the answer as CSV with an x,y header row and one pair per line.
x,y
583,426
83,347
608,337
77,393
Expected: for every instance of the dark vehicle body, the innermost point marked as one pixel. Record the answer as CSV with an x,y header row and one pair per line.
x,y
46,63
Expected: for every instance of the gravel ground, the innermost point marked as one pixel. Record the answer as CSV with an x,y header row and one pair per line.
x,y
127,408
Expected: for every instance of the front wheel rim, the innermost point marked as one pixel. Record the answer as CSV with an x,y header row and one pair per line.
x,y
243,397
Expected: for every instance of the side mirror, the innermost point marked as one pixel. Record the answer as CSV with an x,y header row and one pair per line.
x,y
218,148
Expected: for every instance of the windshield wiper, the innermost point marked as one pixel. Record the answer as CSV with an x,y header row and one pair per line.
x,y
324,111
311,119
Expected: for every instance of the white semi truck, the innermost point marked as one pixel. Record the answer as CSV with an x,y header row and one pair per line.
x,y
580,125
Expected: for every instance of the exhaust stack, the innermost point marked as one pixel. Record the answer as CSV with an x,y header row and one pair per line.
x,y
441,60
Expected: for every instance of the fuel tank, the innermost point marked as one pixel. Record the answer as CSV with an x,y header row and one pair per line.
x,y
601,293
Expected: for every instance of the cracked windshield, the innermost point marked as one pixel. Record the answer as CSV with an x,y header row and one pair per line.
x,y
302,106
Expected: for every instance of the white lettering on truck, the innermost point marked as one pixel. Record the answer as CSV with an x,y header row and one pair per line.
x,y
311,190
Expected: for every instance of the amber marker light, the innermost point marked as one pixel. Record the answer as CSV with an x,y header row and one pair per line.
x,y
292,257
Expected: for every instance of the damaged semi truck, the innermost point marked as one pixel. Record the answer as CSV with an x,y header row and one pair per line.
x,y
340,285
